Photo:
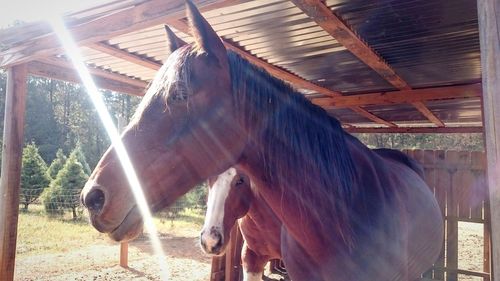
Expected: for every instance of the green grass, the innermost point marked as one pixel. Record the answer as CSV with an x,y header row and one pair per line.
x,y
39,234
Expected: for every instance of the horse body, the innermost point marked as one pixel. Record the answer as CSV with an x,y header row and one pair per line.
x,y
261,230
397,232
347,213
259,226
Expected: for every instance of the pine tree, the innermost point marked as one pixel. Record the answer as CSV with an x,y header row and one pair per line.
x,y
34,177
57,164
64,191
81,158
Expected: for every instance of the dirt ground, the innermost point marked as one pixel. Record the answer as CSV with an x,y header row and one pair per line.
x,y
100,262
185,260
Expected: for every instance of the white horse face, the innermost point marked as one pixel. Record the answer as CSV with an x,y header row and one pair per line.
x,y
229,199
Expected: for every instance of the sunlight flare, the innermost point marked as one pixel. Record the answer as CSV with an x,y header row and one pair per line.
x,y
73,53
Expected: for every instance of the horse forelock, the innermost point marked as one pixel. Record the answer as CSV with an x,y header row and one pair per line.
x,y
304,149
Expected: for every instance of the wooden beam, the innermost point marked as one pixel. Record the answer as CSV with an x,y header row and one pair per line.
x,y
420,106
334,26
124,55
404,96
143,15
489,36
10,181
417,130
97,72
282,74
65,74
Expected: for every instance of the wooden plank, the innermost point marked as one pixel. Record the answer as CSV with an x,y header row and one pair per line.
x,y
15,102
403,96
463,185
282,74
418,154
431,177
442,180
489,35
417,130
424,158
55,72
335,26
451,222
233,256
143,15
479,189
122,54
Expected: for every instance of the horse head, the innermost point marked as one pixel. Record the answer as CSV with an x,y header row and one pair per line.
x,y
184,131
229,199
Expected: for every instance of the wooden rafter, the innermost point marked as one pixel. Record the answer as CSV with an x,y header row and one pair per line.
x,y
97,72
45,69
418,130
144,15
122,54
334,26
293,79
404,96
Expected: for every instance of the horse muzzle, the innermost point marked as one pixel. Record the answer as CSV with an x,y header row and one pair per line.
x,y
212,241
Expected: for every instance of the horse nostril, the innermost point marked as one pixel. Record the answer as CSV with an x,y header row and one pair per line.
x,y
203,244
216,248
94,200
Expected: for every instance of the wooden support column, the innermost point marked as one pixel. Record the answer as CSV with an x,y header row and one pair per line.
x,y
489,34
13,132
233,256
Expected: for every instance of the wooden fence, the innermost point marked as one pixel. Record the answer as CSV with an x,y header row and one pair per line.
x,y
458,181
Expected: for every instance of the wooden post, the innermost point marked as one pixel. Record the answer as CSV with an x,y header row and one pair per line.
x,y
233,255
123,245
489,34
124,254
13,131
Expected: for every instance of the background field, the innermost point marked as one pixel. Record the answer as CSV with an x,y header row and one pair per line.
x,y
55,249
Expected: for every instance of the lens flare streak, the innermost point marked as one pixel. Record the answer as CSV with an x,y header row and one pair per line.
x,y
73,53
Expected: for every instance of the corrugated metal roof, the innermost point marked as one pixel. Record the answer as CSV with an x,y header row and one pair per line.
x,y
280,33
427,43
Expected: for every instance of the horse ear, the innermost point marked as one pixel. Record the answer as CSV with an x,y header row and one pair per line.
x,y
173,42
205,37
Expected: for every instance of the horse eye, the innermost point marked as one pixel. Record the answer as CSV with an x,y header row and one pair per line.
x,y
240,181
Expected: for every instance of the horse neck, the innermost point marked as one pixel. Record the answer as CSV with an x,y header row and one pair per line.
x,y
297,154
261,213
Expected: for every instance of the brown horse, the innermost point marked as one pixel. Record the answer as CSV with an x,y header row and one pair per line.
x,y
231,197
348,214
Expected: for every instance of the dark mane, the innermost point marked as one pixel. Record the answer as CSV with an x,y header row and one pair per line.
x,y
303,145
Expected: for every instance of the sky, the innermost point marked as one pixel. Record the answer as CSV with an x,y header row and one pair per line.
x,y
35,10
